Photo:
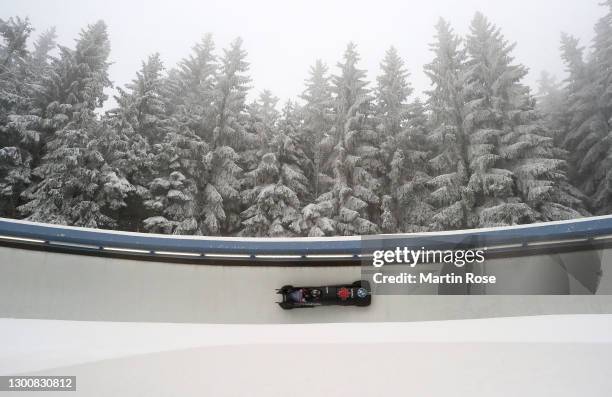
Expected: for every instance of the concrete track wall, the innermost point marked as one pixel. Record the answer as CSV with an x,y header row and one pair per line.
x,y
45,285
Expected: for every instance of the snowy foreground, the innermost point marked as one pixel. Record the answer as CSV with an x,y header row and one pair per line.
x,y
546,355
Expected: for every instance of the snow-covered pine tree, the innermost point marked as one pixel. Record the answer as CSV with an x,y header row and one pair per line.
x,y
229,137
14,63
318,114
261,125
66,87
141,104
178,194
134,128
129,155
232,86
15,33
15,100
278,184
190,90
579,108
264,110
599,159
190,97
516,173
78,77
26,122
590,109
267,204
41,71
74,185
402,125
445,101
551,103
352,205
392,92
492,88
43,46
161,155
15,174
21,142
297,169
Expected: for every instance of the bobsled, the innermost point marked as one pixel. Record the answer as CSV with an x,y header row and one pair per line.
x,y
355,294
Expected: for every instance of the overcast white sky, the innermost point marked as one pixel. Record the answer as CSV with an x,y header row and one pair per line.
x,y
283,38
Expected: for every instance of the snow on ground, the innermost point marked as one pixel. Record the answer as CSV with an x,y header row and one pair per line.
x,y
41,345
374,369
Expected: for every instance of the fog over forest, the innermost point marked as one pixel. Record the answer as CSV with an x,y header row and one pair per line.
x,y
191,147
283,41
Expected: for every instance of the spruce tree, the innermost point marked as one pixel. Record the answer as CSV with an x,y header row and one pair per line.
x,y
276,188
590,110
229,136
261,125
183,153
351,206
598,159
264,112
579,104
451,199
14,57
404,206
551,103
162,154
43,45
141,105
232,85
26,122
74,184
297,169
178,194
277,185
15,33
136,126
16,158
79,77
190,90
516,173
392,92
318,113
129,154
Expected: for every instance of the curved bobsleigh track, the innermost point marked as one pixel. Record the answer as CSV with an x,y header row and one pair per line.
x,y
67,273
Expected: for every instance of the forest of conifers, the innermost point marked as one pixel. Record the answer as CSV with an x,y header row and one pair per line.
x,y
184,152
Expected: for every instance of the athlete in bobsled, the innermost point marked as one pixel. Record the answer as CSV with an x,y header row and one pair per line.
x,y
303,295
355,294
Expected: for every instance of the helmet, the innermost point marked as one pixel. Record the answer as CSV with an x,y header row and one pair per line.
x,y
315,293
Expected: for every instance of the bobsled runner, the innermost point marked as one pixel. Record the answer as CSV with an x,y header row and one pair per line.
x,y
355,294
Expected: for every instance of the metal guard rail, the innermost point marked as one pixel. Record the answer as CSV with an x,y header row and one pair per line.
x,y
78,239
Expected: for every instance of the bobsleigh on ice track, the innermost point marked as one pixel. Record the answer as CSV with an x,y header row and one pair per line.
x,y
355,294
